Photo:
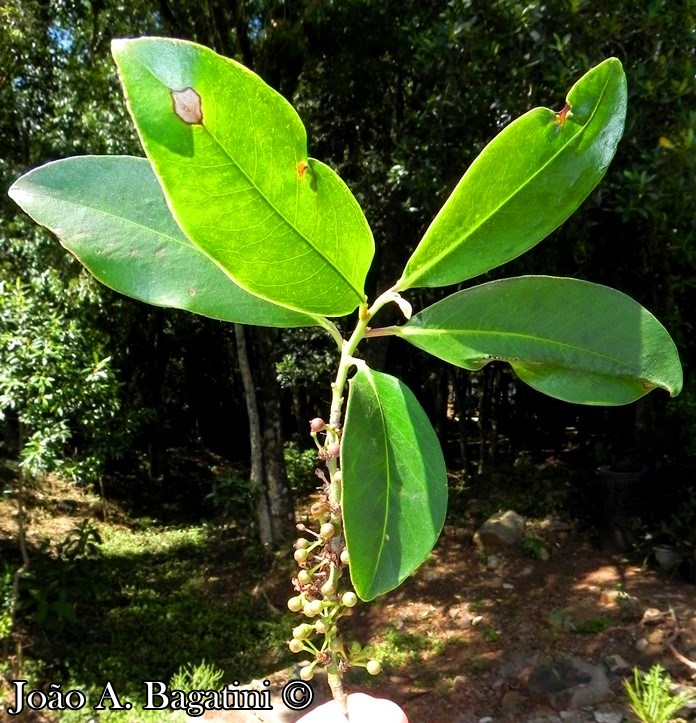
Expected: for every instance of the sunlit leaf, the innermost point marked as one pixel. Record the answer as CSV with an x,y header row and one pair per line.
x,y
526,182
394,483
231,154
571,339
109,211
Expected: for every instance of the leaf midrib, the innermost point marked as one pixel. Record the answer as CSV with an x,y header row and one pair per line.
x,y
382,415
406,282
422,331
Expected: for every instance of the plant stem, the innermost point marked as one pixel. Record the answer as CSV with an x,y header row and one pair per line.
x,y
335,679
348,347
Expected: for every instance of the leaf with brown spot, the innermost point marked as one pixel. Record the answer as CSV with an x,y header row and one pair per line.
x,y
187,105
241,185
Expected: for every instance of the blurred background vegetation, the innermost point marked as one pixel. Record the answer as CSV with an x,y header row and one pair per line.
x,y
398,96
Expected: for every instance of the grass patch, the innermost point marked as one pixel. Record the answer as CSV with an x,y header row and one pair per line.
x,y
151,602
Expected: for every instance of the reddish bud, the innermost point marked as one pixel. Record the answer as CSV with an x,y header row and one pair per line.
x,y
317,424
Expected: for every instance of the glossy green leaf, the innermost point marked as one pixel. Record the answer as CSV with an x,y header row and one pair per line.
x,y
231,154
110,212
570,339
525,183
394,483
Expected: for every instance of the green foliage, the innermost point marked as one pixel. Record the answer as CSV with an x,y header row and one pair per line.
x,y
279,209
399,648
230,156
390,455
56,584
6,594
233,498
570,339
650,696
541,156
56,386
204,676
78,193
301,465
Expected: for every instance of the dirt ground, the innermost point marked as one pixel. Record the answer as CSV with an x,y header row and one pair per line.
x,y
495,620
465,632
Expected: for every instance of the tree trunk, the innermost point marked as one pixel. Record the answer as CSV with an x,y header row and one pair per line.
x,y
280,503
263,517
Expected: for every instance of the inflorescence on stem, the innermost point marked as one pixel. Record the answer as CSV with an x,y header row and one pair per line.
x,y
322,558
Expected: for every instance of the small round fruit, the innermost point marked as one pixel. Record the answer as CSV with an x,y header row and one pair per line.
x,y
336,645
327,530
334,449
307,673
349,599
321,626
301,555
302,631
301,543
316,606
295,645
345,557
295,604
304,577
328,589
316,424
373,667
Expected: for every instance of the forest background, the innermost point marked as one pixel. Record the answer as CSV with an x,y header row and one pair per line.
x,y
398,97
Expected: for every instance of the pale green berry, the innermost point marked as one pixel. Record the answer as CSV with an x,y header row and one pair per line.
x,y
328,588
295,604
301,543
345,557
307,673
349,599
295,646
304,577
316,606
327,530
301,555
355,648
321,626
373,667
336,645
302,631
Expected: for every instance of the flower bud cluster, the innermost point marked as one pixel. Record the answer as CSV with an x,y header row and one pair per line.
x,y
330,448
322,559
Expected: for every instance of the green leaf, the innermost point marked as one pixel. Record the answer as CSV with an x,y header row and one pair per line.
x,y
109,211
231,154
570,339
394,483
526,182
